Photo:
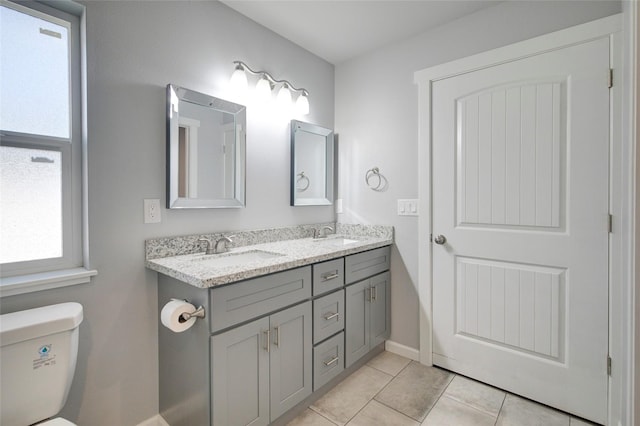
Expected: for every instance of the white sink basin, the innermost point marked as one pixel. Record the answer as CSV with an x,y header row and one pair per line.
x,y
229,259
335,241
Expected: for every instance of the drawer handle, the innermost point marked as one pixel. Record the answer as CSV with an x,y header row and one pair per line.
x,y
267,340
331,316
329,277
334,360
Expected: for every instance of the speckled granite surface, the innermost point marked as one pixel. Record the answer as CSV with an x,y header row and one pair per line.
x,y
183,259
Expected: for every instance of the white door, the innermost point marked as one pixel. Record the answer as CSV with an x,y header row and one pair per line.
x,y
520,192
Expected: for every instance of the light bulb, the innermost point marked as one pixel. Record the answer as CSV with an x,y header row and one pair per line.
x,y
284,96
263,89
302,104
238,81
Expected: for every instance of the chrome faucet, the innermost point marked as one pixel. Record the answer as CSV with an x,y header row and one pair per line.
x,y
322,232
225,240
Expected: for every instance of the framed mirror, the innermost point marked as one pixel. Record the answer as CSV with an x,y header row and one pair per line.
x,y
206,143
311,164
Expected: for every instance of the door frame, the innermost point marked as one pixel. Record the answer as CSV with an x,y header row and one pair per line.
x,y
622,189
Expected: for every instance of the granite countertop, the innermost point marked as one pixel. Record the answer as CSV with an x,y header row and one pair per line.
x,y
280,255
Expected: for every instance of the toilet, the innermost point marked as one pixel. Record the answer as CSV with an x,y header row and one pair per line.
x,y
38,352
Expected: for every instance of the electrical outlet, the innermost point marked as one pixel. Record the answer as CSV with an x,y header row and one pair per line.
x,y
339,206
152,210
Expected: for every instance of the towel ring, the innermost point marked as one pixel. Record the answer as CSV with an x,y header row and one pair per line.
x,y
305,179
371,175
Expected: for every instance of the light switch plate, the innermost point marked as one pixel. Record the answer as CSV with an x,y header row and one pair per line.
x,y
152,210
408,207
339,206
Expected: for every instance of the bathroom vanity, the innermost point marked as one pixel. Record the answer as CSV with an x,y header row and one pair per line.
x,y
282,319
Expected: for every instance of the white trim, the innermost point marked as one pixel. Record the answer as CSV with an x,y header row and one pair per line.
x,y
630,124
156,420
623,207
513,52
402,350
11,286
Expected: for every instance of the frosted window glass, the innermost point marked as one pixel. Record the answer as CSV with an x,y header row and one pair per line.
x,y
30,204
34,75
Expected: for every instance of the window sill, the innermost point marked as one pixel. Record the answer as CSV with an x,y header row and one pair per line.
x,y
11,286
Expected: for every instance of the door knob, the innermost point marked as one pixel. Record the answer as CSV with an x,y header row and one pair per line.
x,y
440,239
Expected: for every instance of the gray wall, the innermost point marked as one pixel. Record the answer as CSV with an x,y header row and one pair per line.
x,y
134,50
377,121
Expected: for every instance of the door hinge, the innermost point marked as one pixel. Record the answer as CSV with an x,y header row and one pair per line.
x,y
610,223
610,78
608,365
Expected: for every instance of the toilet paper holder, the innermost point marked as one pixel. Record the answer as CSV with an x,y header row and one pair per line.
x,y
186,316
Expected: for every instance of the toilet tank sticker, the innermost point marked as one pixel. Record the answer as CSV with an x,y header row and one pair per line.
x,y
46,357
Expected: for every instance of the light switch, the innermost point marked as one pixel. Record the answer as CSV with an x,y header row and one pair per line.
x,y
408,207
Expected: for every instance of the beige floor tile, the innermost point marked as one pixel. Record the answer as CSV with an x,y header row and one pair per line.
x,y
389,363
310,418
478,395
518,411
345,400
376,414
415,390
449,412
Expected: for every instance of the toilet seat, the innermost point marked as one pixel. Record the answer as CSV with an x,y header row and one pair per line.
x,y
58,421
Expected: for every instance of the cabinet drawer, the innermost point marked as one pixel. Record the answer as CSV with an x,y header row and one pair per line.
x,y
236,303
328,315
328,360
364,265
328,276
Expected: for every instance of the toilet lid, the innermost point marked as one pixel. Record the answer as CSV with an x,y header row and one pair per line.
x,y
58,421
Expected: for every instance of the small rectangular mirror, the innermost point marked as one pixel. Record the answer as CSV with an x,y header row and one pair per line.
x,y
311,165
206,140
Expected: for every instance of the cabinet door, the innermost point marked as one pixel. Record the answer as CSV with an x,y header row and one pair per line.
x,y
240,375
380,304
291,358
357,321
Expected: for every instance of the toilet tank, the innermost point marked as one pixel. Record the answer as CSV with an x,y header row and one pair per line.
x,y
38,352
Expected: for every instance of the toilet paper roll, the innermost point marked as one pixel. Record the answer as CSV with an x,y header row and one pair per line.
x,y
171,315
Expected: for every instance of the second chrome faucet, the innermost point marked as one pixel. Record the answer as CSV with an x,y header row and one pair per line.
x,y
220,246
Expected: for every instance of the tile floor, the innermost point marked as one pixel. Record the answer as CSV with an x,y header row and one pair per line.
x,y
394,391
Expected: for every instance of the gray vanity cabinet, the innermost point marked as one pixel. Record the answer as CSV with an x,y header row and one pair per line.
x,y
262,369
367,321
240,375
268,342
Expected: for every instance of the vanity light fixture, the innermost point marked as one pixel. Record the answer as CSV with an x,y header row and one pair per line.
x,y
266,84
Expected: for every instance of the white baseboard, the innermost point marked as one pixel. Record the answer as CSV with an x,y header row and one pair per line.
x,y
156,420
402,350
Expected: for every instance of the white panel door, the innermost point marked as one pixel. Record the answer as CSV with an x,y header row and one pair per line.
x,y
520,192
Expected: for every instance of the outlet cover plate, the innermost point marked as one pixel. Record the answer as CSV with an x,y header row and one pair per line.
x,y
152,210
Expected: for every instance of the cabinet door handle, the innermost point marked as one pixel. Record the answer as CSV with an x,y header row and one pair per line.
x,y
277,339
374,294
331,361
267,340
331,316
331,276
370,294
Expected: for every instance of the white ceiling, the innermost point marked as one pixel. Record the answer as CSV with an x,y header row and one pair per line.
x,y
338,30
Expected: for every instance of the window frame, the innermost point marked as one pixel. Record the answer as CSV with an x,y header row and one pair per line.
x,y
73,267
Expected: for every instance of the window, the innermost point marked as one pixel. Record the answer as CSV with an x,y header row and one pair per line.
x,y
41,146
